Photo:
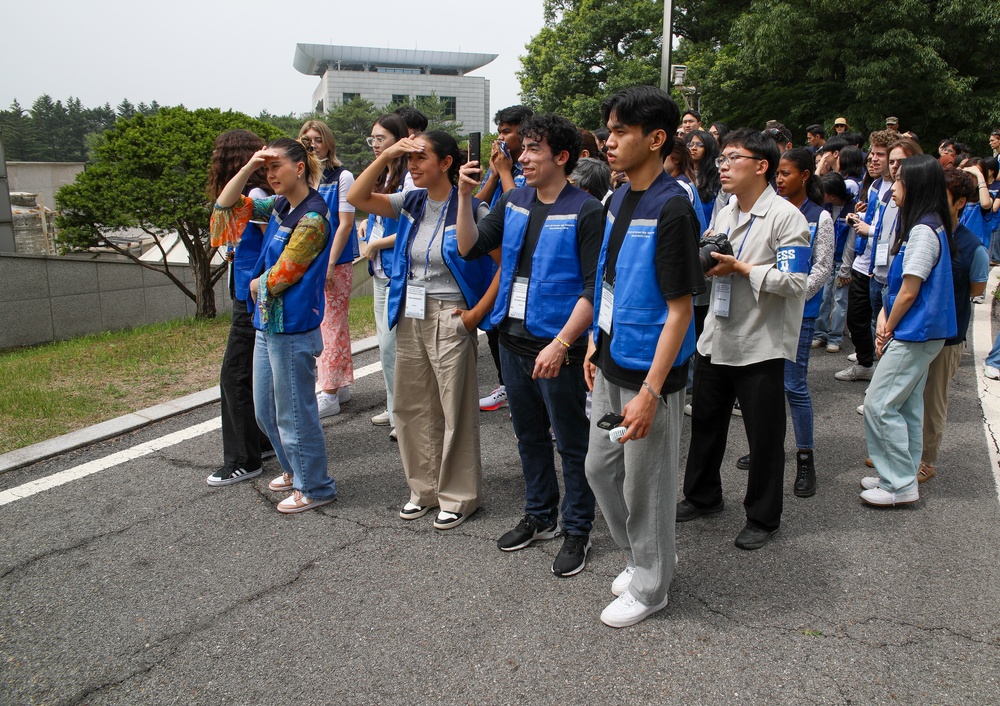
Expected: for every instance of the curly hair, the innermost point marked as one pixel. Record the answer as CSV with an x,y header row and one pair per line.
x,y
558,132
233,149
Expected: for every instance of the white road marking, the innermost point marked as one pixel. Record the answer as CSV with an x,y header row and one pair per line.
x,y
102,464
989,390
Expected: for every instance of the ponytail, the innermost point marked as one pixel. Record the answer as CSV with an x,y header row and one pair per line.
x,y
297,152
444,146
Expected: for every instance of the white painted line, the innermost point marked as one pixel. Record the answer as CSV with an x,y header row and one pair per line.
x,y
989,390
102,464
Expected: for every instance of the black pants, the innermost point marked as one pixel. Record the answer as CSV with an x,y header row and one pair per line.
x,y
242,439
760,390
493,338
859,318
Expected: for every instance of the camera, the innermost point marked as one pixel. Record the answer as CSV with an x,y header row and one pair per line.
x,y
717,242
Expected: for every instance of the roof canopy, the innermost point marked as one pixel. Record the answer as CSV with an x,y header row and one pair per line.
x,y
314,59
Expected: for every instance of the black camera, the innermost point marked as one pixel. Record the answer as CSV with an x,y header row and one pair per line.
x,y
717,242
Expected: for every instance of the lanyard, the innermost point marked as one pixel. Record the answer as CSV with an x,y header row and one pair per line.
x,y
745,236
430,245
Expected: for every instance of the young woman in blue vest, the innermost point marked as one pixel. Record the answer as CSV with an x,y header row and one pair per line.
x,y
287,287
242,439
436,300
704,151
851,166
336,370
919,315
380,239
980,216
801,187
833,311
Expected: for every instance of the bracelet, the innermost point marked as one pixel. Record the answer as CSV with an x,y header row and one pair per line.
x,y
562,342
647,386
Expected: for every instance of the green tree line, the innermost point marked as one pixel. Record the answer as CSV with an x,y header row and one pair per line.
x,y
932,63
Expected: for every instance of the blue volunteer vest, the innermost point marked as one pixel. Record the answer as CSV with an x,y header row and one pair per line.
x,y
639,310
329,189
966,245
303,302
980,222
473,276
841,229
861,241
245,257
932,315
811,210
556,276
880,229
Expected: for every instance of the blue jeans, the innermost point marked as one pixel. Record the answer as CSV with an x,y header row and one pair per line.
x,y
875,294
993,359
284,396
561,403
797,388
995,246
386,341
833,311
894,412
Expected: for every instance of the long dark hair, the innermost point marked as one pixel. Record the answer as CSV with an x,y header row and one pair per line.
x,y
392,176
804,161
444,146
708,182
852,162
926,193
233,149
682,159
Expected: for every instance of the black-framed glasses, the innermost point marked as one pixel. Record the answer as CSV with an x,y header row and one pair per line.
x,y
726,160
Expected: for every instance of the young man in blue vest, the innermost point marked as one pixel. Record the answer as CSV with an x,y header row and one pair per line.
x,y
550,234
643,334
504,174
752,327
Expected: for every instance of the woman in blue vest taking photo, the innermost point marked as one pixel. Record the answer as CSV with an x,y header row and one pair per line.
x,y
335,367
287,289
436,300
919,315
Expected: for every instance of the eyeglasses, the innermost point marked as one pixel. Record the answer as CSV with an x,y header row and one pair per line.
x,y
378,139
726,160
692,145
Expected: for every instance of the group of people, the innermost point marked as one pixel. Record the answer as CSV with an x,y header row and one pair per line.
x,y
613,272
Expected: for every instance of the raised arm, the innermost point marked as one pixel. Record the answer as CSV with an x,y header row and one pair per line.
x,y
361,194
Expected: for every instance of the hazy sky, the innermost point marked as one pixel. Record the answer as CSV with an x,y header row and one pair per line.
x,y
232,55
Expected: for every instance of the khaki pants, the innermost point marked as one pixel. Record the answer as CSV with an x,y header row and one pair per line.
x,y
437,408
942,370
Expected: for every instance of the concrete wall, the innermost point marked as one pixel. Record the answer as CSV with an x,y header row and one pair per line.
x,y
47,298
42,178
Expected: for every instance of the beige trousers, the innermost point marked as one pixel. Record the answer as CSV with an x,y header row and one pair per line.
x,y
437,408
942,370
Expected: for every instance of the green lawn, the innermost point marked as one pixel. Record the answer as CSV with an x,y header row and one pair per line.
x,y
56,388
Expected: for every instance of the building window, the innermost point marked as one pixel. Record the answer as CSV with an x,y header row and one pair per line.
x,y
400,99
393,70
450,107
348,97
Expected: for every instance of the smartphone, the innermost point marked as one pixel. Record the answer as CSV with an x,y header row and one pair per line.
x,y
610,421
475,144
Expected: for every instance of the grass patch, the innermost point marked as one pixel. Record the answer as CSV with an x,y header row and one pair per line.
x,y
59,387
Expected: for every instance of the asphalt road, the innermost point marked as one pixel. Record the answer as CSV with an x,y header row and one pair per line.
x,y
142,584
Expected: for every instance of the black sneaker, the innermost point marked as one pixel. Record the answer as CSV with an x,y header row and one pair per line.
x,y
228,476
743,463
527,531
805,477
573,556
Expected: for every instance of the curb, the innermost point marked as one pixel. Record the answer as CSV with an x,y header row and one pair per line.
x,y
989,391
49,448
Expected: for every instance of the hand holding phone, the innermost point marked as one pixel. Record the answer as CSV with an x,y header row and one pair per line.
x,y
610,421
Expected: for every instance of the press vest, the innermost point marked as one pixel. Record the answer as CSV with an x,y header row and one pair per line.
x,y
932,315
329,189
473,276
639,311
556,280
811,210
303,302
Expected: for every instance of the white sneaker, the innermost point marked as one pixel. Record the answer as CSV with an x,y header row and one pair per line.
x,y
495,400
855,372
687,409
979,300
329,405
861,409
869,482
991,372
886,498
622,580
833,348
853,358
382,419
628,610
818,343
344,394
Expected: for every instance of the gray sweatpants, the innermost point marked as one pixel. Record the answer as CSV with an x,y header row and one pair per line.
x,y
636,487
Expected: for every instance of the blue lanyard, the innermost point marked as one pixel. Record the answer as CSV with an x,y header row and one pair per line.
x,y
745,235
430,245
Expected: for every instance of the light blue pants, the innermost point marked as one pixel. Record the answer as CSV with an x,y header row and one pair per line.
x,y
894,412
386,340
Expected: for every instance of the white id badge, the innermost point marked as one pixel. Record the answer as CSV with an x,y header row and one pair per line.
x,y
416,301
607,307
378,231
882,254
720,295
518,298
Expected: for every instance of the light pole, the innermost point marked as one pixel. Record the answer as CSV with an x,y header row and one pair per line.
x,y
668,35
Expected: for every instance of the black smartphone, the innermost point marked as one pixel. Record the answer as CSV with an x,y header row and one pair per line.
x,y
475,145
610,421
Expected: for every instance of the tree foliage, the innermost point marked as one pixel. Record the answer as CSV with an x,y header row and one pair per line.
x,y
929,62
149,172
